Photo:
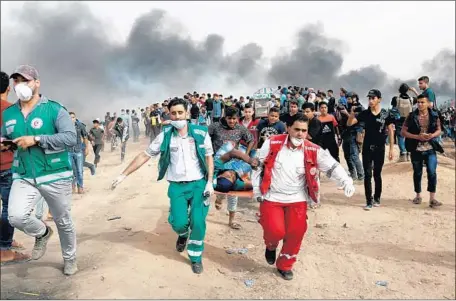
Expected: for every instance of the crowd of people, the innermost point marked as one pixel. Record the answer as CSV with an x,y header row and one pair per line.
x,y
210,144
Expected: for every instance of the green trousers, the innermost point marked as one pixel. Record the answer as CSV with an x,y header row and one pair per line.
x,y
187,214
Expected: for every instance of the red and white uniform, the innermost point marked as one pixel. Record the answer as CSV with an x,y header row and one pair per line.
x,y
287,181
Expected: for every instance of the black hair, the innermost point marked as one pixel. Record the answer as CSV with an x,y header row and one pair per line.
x,y
231,112
4,82
113,118
274,110
293,102
127,110
322,104
308,105
330,91
208,95
424,78
300,118
72,113
96,121
119,119
422,96
248,106
403,88
176,102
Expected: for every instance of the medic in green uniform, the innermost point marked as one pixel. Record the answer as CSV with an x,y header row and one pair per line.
x,y
186,158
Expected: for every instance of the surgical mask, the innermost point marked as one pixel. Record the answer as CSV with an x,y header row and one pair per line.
x,y
296,141
23,91
179,124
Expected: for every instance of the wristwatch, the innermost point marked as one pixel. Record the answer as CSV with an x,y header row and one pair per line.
x,y
37,140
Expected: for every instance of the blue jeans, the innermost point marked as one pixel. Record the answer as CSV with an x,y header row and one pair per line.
x,y
77,161
400,140
351,155
430,158
6,230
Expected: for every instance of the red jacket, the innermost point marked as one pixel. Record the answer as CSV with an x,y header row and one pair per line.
x,y
6,158
252,127
310,165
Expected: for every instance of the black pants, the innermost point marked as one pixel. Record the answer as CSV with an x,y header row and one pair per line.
x,y
96,151
373,158
332,147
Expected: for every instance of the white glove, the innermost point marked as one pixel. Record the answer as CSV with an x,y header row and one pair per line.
x,y
349,190
257,196
209,190
117,181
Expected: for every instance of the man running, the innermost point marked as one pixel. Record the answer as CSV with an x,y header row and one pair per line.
x,y
77,156
96,137
284,183
228,129
186,156
7,244
121,131
329,131
43,131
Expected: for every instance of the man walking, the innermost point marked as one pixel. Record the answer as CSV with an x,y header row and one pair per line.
x,y
420,129
135,125
7,254
43,131
186,156
77,156
376,121
285,181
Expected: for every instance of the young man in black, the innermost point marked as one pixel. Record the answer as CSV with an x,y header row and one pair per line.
x,y
376,121
293,113
314,133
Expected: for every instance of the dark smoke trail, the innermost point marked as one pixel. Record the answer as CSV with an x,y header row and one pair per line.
x,y
88,73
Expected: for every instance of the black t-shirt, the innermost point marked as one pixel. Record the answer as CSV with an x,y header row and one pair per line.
x,y
315,130
194,111
266,130
209,103
288,119
375,126
331,105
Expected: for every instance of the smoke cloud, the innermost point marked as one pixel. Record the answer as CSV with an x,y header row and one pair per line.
x,y
90,74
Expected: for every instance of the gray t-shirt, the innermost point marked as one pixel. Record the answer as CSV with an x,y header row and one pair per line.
x,y
97,135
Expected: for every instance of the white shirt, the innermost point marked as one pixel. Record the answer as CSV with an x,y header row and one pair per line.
x,y
184,164
288,174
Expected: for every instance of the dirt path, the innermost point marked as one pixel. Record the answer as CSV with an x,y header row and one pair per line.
x,y
411,247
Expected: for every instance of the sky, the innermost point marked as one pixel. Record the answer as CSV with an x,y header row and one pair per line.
x,y
352,39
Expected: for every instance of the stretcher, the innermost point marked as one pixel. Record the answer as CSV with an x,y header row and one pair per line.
x,y
241,194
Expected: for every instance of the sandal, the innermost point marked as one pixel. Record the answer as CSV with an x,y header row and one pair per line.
x,y
417,200
435,203
235,226
218,204
17,246
17,258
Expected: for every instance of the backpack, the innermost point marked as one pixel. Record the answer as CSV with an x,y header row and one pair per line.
x,y
404,105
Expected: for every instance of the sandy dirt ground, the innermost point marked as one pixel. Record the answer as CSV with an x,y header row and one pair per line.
x,y
344,253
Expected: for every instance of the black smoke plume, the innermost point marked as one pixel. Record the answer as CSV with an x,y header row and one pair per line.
x,y
81,67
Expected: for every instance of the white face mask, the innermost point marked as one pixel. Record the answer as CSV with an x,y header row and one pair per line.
x,y
23,91
296,141
179,124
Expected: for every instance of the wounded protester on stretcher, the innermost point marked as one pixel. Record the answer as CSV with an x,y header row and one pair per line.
x,y
232,168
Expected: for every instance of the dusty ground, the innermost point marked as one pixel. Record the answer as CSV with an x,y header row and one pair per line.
x,y
411,247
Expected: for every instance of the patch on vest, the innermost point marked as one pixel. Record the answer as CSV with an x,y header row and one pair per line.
x,y
10,122
37,123
313,171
